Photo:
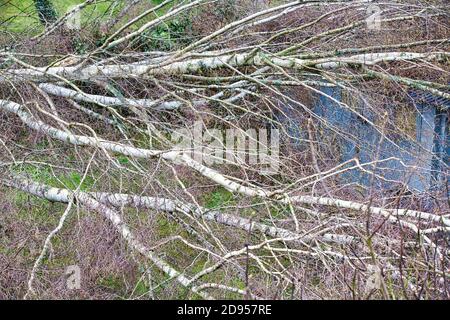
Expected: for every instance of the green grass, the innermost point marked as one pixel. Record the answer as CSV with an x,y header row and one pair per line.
x,y
114,283
220,197
70,180
18,16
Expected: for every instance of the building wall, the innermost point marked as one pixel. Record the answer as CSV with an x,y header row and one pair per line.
x,y
421,159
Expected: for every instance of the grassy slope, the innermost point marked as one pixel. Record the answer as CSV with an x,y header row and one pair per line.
x,y
20,15
17,16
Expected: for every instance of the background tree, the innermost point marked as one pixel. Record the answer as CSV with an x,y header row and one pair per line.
x,y
46,12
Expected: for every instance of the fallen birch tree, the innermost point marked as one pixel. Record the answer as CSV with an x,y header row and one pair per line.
x,y
192,132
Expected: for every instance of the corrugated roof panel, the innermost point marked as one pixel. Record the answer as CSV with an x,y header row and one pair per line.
x,y
421,96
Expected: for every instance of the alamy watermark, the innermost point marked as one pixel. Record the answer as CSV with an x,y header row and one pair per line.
x,y
373,19
258,148
73,20
73,280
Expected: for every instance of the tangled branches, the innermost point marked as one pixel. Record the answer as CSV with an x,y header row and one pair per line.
x,y
228,155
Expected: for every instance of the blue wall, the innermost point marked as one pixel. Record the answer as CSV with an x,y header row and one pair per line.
x,y
426,158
